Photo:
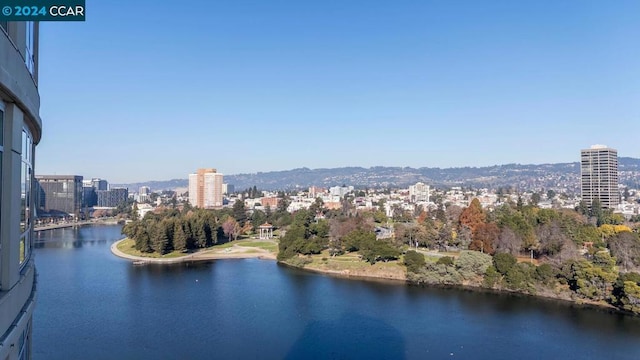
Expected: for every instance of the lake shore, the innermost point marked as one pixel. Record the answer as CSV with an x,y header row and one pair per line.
x,y
233,252
383,272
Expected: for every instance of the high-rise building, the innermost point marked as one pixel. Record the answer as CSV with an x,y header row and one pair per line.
x,y
205,188
419,192
60,193
599,176
100,184
143,194
112,197
20,131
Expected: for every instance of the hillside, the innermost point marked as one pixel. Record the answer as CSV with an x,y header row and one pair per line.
x,y
524,177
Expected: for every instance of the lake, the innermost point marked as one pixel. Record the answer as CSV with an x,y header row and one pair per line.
x,y
91,304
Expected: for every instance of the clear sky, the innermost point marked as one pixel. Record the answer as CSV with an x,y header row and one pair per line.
x,y
153,90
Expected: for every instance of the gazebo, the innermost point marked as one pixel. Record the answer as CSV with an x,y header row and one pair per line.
x,y
266,231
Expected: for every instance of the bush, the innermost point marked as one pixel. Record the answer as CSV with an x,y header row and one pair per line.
x,y
504,262
413,260
445,260
545,273
472,264
491,277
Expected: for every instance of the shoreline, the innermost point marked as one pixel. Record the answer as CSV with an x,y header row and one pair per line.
x,y
202,255
75,224
208,255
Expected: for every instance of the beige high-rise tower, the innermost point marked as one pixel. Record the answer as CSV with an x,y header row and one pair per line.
x,y
599,176
205,189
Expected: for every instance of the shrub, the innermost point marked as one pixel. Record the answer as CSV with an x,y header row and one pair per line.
x,y
413,260
445,260
504,262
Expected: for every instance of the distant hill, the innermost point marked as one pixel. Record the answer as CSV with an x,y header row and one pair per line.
x,y
524,177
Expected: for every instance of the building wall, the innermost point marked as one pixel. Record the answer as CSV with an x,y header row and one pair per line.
x,y
61,193
20,132
205,188
113,197
599,176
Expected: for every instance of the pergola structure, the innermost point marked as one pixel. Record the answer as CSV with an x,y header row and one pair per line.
x,y
266,231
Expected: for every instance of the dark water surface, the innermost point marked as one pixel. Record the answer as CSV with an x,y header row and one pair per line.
x,y
93,305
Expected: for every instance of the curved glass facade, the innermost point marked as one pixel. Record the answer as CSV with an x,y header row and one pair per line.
x,y
20,131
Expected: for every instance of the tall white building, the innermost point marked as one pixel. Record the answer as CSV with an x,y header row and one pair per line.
x,y
143,194
599,176
419,192
205,188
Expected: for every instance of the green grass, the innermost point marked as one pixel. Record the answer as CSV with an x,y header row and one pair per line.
x,y
266,245
127,246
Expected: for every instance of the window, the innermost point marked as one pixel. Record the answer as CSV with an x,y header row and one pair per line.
x,y
29,55
26,185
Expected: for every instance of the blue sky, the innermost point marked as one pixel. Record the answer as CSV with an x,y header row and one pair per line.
x,y
151,90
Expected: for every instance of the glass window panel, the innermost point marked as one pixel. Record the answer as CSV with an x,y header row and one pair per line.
x,y
23,203
22,249
1,128
24,145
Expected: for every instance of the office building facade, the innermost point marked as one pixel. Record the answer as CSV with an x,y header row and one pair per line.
x,y
599,176
20,131
205,189
60,194
112,198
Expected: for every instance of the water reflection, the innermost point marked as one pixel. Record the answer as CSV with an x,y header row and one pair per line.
x,y
256,309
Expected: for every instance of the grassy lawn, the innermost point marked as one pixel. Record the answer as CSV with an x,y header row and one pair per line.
x,y
266,245
127,246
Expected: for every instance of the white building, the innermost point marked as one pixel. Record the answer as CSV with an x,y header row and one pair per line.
x,y
419,193
205,189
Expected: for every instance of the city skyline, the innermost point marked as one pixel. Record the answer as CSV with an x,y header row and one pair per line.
x,y
266,87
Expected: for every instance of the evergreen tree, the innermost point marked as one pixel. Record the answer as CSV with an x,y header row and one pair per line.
x,y
179,237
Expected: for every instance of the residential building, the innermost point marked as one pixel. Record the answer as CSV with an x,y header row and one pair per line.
x,y
59,194
112,197
20,132
599,176
271,201
205,189
419,192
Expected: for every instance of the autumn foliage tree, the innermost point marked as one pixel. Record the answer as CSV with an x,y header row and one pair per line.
x,y
484,237
472,216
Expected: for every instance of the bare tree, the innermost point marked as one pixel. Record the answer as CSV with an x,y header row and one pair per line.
x,y
508,242
625,246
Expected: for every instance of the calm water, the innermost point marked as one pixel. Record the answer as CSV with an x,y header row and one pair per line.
x,y
94,305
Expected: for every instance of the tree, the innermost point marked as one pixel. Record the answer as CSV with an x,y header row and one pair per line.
x,y
535,199
508,242
503,262
179,237
413,261
625,246
231,228
551,194
239,212
472,216
596,211
484,237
